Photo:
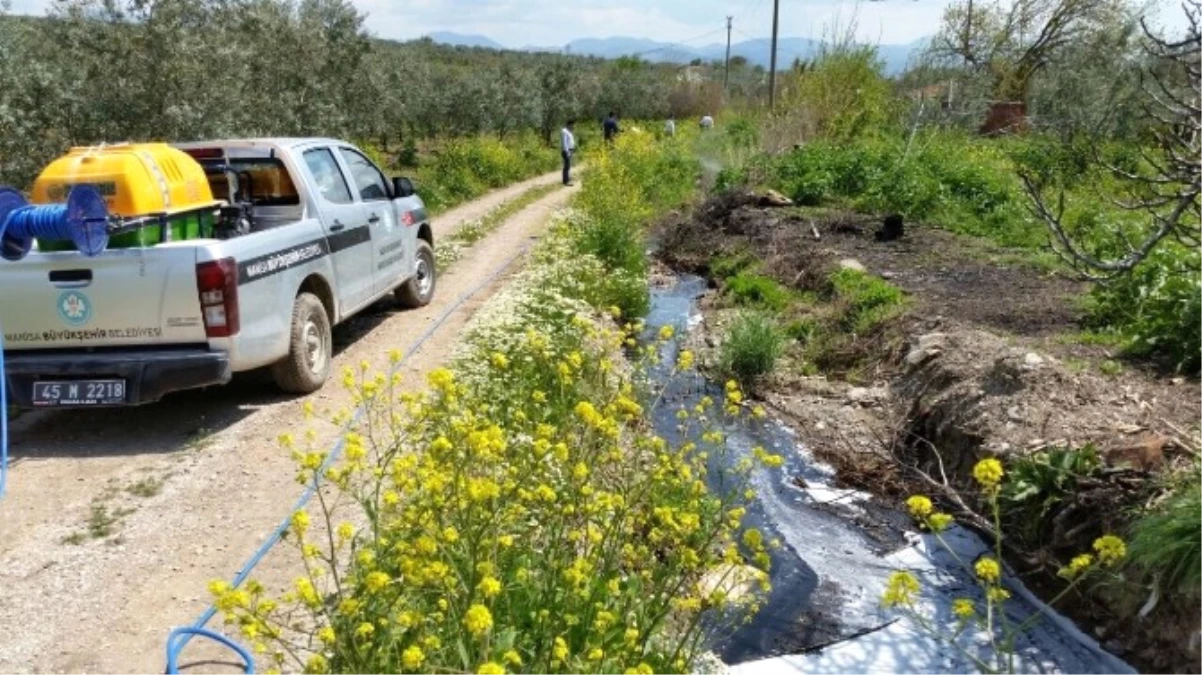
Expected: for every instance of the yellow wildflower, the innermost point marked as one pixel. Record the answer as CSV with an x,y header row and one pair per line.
x,y
499,361
300,522
490,587
988,570
963,608
365,631
376,581
512,658
490,668
988,472
560,650
1110,549
667,332
997,594
317,664
1075,567
685,361
901,589
412,658
450,535
346,531
326,635
595,654
939,522
919,506
478,620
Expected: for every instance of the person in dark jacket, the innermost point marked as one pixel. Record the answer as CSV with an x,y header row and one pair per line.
x,y
610,127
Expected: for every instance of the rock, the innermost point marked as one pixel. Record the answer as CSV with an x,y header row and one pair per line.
x,y
1145,455
852,264
928,347
1032,361
892,228
774,198
865,397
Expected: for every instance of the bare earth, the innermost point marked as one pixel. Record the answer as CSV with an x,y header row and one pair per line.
x,y
193,484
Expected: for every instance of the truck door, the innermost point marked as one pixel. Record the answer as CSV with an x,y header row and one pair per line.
x,y
347,231
392,261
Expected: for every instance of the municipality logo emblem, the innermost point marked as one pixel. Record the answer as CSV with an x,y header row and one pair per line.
x,y
74,308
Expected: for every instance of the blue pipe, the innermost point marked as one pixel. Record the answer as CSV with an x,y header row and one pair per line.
x,y
185,633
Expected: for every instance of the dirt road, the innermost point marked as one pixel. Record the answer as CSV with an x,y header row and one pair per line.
x,y
116,520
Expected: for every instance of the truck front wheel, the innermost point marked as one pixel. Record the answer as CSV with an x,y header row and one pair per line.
x,y
307,365
419,290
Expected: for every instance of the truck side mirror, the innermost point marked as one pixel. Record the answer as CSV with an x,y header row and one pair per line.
x,y
402,187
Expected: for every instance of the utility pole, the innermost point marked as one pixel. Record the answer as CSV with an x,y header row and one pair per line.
x,y
726,79
772,59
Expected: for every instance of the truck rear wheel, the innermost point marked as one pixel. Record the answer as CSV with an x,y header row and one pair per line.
x,y
307,365
419,290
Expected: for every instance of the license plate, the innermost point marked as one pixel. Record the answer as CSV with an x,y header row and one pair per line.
x,y
79,392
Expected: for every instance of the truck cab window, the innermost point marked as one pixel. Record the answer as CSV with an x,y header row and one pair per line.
x,y
368,180
328,176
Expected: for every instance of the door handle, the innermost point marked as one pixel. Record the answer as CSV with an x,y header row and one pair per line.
x,y
337,227
71,278
373,219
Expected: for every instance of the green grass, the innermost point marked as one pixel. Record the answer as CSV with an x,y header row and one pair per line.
x,y
869,300
756,290
146,487
1166,544
753,344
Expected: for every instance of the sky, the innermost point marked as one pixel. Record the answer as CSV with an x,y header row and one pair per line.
x,y
552,23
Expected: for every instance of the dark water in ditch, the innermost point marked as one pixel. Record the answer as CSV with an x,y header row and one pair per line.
x,y
838,548
801,611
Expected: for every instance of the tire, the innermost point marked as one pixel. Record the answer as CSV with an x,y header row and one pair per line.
x,y
310,344
418,291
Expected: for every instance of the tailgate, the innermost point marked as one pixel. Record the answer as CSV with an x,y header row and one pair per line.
x,y
119,298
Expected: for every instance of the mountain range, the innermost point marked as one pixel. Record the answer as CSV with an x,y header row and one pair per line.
x,y
757,52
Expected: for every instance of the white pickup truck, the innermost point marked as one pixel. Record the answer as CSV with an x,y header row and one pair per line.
x,y
324,237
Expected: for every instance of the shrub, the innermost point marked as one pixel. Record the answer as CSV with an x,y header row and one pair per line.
x,y
465,168
751,347
1040,485
1166,544
1155,308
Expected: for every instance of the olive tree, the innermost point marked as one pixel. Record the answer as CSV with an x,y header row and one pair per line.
x,y
1163,186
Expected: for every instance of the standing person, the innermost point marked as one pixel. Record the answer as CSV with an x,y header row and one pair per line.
x,y
609,128
670,127
567,146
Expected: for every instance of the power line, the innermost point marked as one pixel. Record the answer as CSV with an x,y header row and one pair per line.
x,y
680,43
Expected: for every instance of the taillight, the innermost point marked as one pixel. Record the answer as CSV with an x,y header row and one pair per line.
x,y
217,282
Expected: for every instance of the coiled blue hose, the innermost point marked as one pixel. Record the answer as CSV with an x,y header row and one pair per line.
x,y
82,220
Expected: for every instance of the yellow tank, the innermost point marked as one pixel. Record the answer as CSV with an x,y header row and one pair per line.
x,y
136,179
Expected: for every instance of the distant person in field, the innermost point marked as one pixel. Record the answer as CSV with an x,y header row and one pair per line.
x,y
670,127
707,122
610,128
567,146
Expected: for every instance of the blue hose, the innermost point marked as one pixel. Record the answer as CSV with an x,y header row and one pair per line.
x,y
185,633
82,220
